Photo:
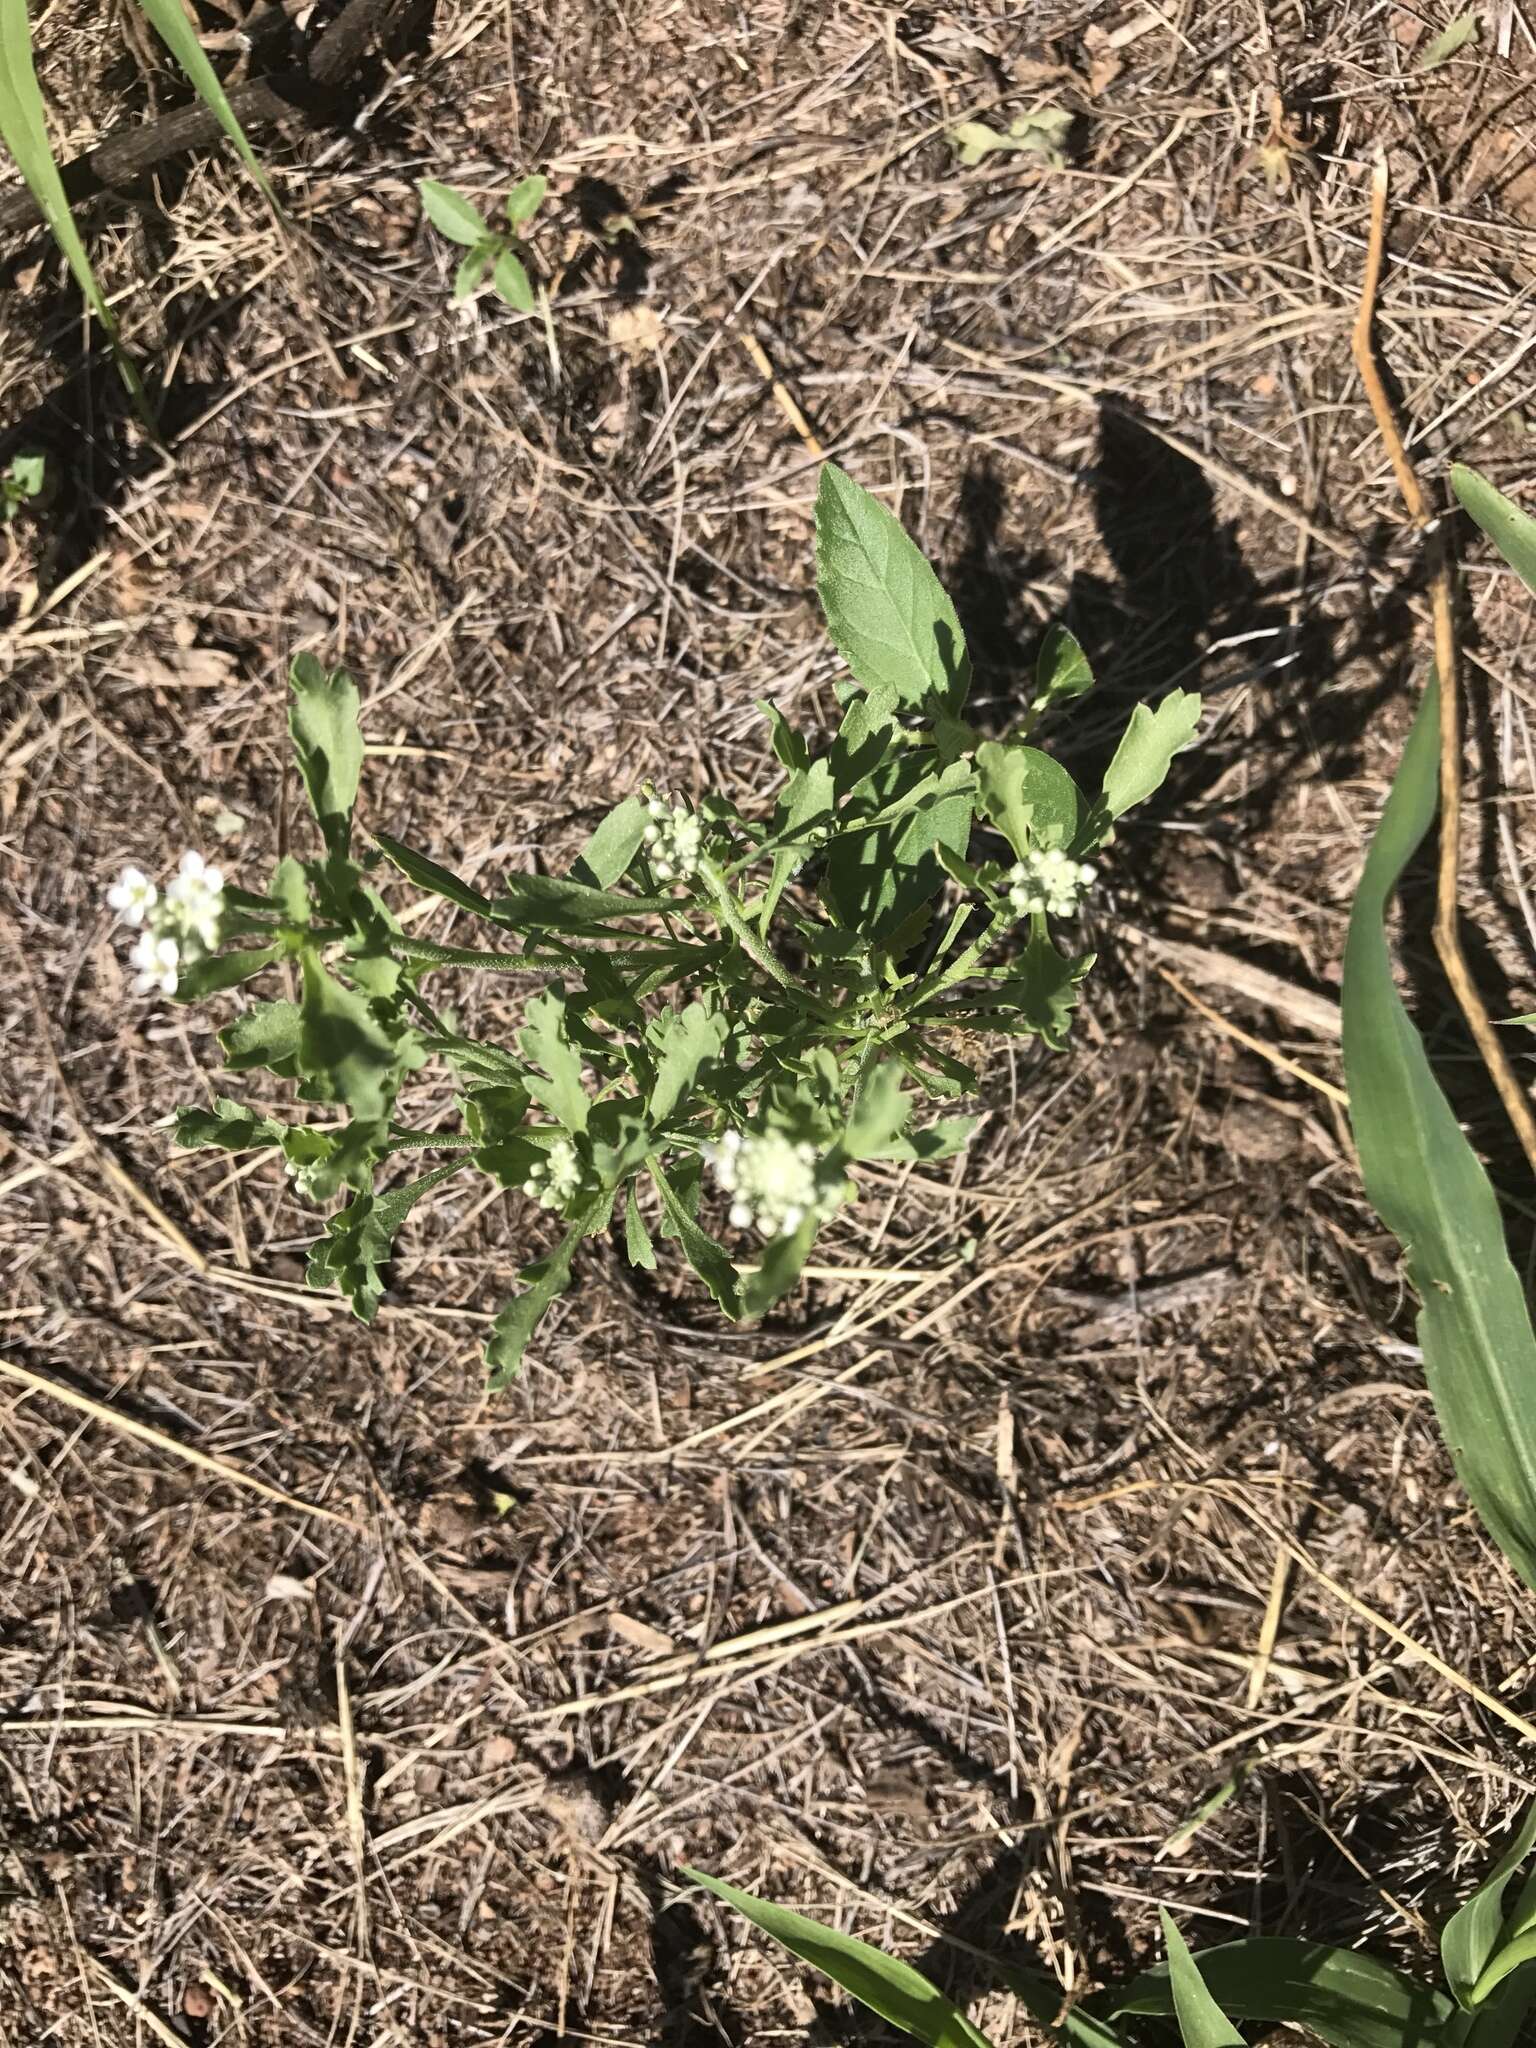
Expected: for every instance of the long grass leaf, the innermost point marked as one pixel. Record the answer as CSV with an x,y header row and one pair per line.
x,y
180,38
1432,1193
24,131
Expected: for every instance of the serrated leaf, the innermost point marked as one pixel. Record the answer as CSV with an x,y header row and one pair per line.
x,y
545,1041
1202,2023
941,1140
345,1053
608,853
1475,1934
1061,671
707,1258
686,1040
525,199
1038,996
266,1035
1146,752
360,1238
229,1126
511,283
1030,798
328,741
1431,1191
1347,1999
1453,37
547,1281
451,213
886,610
638,1248
888,1986
1512,531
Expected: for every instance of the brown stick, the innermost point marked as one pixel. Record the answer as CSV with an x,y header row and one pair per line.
x,y
289,95
1442,612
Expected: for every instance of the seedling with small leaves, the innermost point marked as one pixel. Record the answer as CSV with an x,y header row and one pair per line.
x,y
741,1008
489,248
21,481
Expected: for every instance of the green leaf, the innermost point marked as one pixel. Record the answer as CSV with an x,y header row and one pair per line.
x,y
1348,2000
879,1115
267,1035
554,903
472,269
437,881
1455,36
1145,754
229,1125
525,199
685,1040
1476,1933
169,21
941,1140
707,1258
24,131
345,1053
807,801
1501,2020
891,1988
1030,798
216,972
638,1248
886,610
1061,671
1042,133
1433,1195
608,853
876,880
511,283
1512,531
328,741
548,1280
360,1238
451,213
788,747
1202,2023
544,1040
1038,997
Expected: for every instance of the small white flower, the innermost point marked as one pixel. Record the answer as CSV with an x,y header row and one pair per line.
x,y
157,957
1048,880
674,839
777,1181
195,898
556,1178
133,896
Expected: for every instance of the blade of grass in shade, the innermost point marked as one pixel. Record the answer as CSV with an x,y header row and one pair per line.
x,y
23,129
1430,1189
180,38
1512,531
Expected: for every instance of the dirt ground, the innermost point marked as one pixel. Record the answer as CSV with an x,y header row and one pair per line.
x,y
941,1604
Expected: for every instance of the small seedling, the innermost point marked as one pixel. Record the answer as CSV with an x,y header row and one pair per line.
x,y
488,247
743,1010
21,481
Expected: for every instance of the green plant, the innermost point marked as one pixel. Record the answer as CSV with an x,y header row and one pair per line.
x,y
1420,1172
1340,1996
22,480
24,132
760,1000
501,251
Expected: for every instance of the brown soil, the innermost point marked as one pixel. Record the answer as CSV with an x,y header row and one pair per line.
x,y
1025,1513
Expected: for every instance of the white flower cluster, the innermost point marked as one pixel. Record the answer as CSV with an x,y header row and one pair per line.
x,y
775,1181
674,839
1048,879
553,1180
179,926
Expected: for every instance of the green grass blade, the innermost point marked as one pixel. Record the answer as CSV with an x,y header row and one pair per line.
x,y
1202,2023
180,38
1474,1933
1432,1193
1512,531
24,131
